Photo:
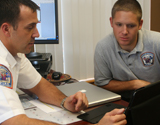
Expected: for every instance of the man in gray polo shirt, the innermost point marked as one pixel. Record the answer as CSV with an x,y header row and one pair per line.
x,y
128,58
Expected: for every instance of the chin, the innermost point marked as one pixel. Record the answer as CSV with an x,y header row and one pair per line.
x,y
27,51
124,43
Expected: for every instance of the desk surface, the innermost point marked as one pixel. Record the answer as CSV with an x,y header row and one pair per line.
x,y
120,102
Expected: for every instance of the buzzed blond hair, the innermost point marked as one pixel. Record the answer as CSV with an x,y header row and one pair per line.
x,y
128,5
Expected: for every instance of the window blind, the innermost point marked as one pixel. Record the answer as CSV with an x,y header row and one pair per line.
x,y
82,24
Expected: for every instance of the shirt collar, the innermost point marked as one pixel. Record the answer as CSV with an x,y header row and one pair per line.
x,y
5,54
138,48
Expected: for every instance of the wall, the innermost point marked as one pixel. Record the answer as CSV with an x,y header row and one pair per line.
x,y
82,24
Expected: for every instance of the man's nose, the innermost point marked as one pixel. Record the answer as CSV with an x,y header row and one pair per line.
x,y
36,33
125,30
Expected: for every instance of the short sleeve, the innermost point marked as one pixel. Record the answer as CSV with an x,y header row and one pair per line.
x,y
10,105
102,73
28,75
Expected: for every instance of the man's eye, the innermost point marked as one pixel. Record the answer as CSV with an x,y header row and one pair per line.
x,y
31,27
118,24
130,26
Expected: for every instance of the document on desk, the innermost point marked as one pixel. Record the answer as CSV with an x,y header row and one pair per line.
x,y
45,107
51,113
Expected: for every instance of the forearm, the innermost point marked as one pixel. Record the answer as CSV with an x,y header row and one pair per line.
x,y
24,120
48,93
119,86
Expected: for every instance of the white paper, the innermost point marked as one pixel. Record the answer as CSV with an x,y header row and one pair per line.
x,y
47,108
61,117
51,113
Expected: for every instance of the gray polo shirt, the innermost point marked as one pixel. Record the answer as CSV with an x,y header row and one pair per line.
x,y
113,63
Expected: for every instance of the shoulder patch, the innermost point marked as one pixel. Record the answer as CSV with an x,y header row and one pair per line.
x,y
5,77
147,58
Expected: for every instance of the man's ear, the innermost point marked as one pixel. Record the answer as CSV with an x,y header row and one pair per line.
x,y
111,21
6,29
140,24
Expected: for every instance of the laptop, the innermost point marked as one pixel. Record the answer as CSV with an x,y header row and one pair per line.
x,y
143,108
94,94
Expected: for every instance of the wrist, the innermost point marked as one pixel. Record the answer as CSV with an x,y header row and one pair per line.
x,y
62,104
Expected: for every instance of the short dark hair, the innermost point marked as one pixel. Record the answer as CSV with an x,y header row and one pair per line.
x,y
128,5
10,10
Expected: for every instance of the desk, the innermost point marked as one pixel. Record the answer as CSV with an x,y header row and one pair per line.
x,y
26,97
120,102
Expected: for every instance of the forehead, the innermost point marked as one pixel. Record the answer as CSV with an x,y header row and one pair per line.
x,y
27,15
127,16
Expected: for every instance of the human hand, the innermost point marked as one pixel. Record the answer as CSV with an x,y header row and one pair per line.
x,y
140,83
115,117
76,102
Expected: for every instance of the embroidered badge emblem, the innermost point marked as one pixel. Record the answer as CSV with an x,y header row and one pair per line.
x,y
147,58
5,77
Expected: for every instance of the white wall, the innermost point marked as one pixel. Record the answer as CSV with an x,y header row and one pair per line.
x,y
82,24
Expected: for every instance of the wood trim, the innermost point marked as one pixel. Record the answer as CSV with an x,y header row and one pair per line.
x,y
155,18
89,81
